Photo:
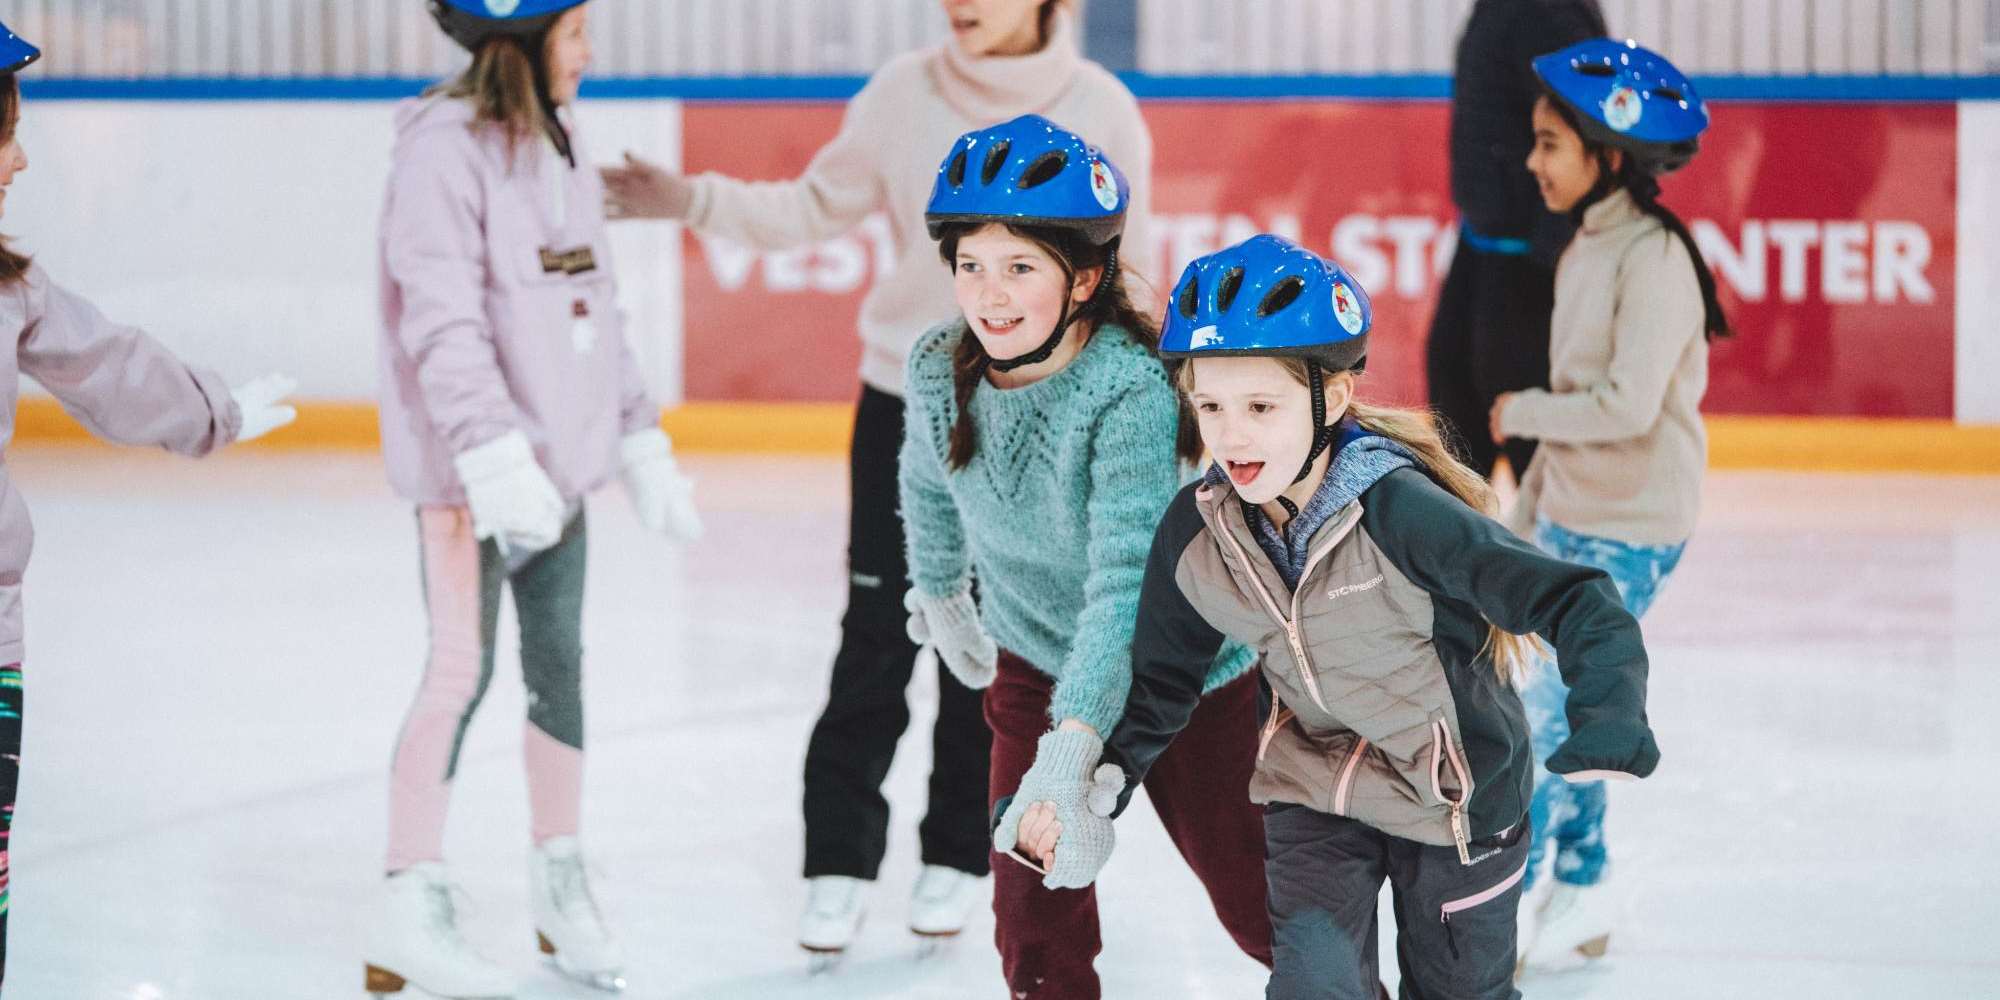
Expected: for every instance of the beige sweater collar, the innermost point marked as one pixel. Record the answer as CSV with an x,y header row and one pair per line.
x,y
994,89
1616,209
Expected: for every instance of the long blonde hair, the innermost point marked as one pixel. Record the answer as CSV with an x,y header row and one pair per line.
x,y
1416,431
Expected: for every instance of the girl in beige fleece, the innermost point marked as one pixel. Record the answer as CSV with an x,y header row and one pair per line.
x,y
1006,58
1617,478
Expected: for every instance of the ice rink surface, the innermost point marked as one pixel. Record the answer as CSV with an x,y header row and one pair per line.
x,y
220,655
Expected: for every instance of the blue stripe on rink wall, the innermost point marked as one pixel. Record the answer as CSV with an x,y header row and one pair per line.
x,y
840,88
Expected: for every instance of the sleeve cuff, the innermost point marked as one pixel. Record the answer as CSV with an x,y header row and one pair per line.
x,y
1517,420
1094,708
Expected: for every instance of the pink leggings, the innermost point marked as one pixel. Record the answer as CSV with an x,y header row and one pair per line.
x,y
462,583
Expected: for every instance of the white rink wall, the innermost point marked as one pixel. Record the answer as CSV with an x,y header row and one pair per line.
x,y
1978,362
242,234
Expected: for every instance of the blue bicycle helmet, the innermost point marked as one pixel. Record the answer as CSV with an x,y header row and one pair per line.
x,y
1629,97
1029,171
1032,172
15,52
1270,297
471,23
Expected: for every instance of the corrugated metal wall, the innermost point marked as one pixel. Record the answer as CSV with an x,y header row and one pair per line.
x,y
1737,37
364,38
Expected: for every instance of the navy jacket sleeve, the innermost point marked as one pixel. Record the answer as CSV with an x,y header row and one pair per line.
x,y
1173,647
1448,548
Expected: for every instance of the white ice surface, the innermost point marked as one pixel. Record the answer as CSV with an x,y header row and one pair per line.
x,y
220,654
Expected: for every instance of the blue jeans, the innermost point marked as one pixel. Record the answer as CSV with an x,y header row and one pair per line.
x,y
1573,815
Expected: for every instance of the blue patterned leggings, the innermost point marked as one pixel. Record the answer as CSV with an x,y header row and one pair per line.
x,y
1573,815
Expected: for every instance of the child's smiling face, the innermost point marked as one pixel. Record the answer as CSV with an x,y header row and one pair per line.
x,y
1011,290
1564,169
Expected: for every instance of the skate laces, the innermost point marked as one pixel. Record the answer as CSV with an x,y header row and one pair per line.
x,y
936,884
569,883
827,897
445,901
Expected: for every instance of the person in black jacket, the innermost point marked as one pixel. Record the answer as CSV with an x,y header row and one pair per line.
x,y
1490,333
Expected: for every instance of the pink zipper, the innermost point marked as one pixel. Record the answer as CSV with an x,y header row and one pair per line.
x,y
1461,905
1271,726
1444,751
1347,770
1290,624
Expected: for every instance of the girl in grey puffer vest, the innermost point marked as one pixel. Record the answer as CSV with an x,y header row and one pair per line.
x,y
1342,541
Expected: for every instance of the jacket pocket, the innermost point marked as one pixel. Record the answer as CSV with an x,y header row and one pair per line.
x,y
1296,766
1455,907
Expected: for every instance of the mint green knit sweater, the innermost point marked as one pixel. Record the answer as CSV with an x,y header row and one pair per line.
x,y
1055,514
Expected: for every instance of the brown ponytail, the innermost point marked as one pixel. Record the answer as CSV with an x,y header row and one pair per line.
x,y
13,266
502,88
1111,305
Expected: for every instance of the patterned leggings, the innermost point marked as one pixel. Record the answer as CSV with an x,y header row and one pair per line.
x,y
10,773
1573,815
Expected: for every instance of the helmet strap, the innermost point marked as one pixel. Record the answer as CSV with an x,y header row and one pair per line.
x,y
1322,433
1055,338
1607,182
537,48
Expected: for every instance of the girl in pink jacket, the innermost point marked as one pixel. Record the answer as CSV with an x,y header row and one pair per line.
x,y
508,393
118,382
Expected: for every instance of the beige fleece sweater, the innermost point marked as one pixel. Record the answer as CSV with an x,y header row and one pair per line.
x,y
886,156
1622,444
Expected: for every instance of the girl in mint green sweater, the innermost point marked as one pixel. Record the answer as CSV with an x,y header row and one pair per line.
x,y
1041,448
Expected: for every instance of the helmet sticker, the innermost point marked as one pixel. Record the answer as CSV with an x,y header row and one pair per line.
x,y
1207,336
1103,185
1622,108
502,8
1345,307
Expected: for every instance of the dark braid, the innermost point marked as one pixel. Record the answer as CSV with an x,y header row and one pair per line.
x,y
1645,189
968,369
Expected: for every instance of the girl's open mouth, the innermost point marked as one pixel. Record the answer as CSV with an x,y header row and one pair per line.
x,y
1243,473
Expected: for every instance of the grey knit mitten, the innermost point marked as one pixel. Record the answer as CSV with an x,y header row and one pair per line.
x,y
1066,773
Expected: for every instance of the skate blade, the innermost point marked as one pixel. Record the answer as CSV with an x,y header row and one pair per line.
x,y
608,982
930,944
382,984
822,961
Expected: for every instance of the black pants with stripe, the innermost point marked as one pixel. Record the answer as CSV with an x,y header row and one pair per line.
x,y
847,817
1454,922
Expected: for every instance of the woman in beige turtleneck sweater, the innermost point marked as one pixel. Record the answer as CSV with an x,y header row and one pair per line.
x,y
1006,58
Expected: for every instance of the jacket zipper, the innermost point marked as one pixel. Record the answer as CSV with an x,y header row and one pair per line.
x,y
1346,785
1443,752
1290,624
1279,714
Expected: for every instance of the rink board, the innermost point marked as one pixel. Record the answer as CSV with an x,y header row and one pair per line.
x,y
1847,237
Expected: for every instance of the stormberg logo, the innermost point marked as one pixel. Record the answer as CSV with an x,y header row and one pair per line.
x,y
1337,593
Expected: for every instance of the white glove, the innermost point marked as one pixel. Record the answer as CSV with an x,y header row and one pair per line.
x,y
257,400
661,493
512,499
950,625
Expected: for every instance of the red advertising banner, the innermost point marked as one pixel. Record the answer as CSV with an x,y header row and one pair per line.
x,y
1830,228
